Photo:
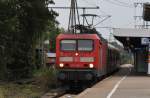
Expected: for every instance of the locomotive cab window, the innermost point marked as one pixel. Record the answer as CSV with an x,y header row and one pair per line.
x,y
85,45
68,45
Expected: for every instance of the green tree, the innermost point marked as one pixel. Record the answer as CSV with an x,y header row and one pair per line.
x,y
52,35
22,24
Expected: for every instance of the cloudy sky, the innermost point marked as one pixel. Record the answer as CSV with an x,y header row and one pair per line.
x,y
121,11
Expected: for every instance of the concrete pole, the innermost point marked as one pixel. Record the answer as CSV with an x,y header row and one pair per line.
x,y
148,59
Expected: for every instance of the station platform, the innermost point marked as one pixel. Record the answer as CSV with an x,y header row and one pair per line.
x,y
123,84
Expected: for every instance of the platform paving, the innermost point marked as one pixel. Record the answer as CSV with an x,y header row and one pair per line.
x,y
124,84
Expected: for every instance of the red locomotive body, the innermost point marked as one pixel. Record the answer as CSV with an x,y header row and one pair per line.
x,y
84,57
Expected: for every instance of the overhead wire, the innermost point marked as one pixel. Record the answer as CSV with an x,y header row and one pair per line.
x,y
109,28
103,19
118,4
124,3
93,4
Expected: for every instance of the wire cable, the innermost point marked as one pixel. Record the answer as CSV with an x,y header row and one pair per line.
x,y
115,3
124,3
89,3
119,3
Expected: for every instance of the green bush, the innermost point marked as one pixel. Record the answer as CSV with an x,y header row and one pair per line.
x,y
46,77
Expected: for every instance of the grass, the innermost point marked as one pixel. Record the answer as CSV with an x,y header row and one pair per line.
x,y
11,90
43,80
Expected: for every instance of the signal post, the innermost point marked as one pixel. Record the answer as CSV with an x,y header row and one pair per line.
x,y
146,41
148,72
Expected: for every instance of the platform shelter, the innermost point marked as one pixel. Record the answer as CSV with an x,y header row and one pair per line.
x,y
137,41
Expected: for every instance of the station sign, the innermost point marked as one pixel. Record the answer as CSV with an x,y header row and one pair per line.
x,y
145,41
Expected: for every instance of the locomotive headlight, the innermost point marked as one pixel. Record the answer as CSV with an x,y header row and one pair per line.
x,y
91,65
76,54
61,65
86,59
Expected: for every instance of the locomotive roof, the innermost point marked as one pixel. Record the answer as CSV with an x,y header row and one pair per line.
x,y
75,36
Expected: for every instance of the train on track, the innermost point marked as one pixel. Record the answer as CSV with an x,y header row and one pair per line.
x,y
84,57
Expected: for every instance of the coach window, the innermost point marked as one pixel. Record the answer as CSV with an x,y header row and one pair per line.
x,y
68,45
85,45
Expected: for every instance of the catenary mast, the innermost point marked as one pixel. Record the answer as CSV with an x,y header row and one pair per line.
x,y
74,17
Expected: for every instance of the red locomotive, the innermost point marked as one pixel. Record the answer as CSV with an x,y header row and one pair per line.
x,y
84,57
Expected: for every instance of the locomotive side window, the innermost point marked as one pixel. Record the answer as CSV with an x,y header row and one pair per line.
x,y
85,45
68,45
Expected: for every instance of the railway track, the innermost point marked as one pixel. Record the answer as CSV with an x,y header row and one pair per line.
x,y
68,96
55,93
73,92
65,92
